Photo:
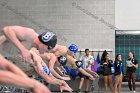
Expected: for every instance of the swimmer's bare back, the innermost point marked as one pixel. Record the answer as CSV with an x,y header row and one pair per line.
x,y
24,34
60,50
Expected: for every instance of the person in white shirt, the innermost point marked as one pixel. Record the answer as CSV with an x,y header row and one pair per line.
x,y
88,61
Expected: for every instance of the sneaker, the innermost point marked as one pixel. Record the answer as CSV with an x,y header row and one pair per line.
x,y
79,91
92,88
134,91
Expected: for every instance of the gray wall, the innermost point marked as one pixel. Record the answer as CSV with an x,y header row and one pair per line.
x,y
88,23
74,21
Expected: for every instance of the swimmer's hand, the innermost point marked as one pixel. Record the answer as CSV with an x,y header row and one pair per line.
x,y
65,78
91,77
65,86
96,75
39,88
26,55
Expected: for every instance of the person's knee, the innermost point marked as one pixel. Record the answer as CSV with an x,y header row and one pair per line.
x,y
105,81
116,82
133,80
110,81
87,81
82,79
120,81
129,79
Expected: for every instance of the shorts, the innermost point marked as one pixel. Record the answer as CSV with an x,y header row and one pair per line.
x,y
83,76
107,72
117,73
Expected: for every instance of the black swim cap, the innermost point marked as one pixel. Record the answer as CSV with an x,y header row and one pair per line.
x,y
49,39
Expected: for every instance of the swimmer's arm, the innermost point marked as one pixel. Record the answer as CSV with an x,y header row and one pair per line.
x,y
72,60
51,66
91,72
2,39
59,71
38,67
63,68
6,65
84,72
7,77
50,79
52,62
59,68
12,36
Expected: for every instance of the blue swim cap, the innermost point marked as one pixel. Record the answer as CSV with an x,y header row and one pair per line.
x,y
73,48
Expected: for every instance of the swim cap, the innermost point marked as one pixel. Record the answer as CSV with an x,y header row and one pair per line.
x,y
62,60
73,48
49,39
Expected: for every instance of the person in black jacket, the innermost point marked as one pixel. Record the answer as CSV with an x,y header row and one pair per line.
x,y
132,65
118,73
107,73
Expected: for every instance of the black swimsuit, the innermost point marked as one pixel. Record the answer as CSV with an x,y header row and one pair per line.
x,y
107,68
